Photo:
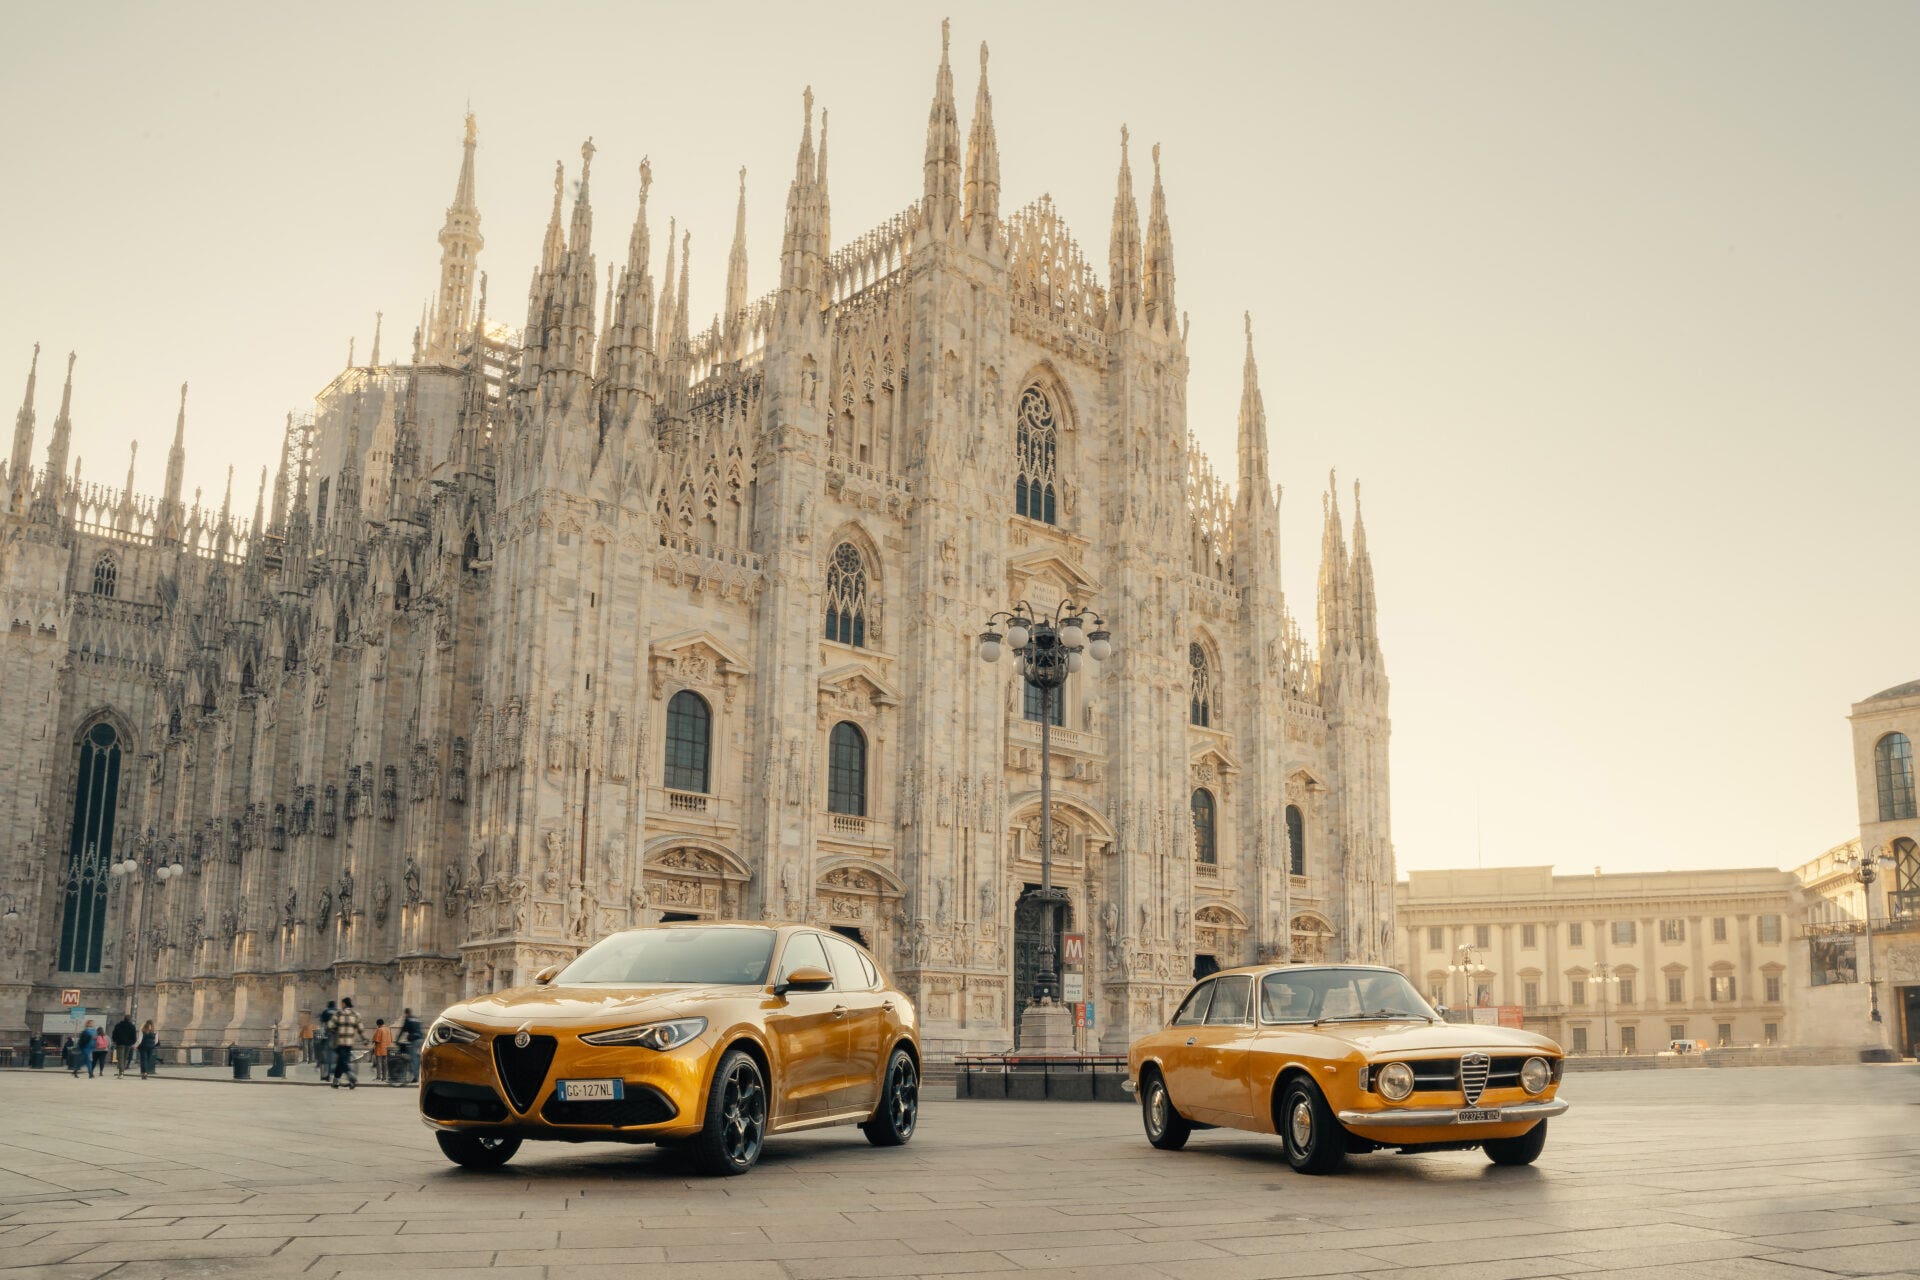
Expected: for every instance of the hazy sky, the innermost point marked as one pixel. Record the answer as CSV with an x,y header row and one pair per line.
x,y
1615,309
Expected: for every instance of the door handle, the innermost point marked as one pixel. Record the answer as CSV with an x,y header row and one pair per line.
x,y
888,1006
839,1011
1190,1039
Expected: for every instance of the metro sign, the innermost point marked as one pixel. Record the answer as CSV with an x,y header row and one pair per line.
x,y
70,997
1073,949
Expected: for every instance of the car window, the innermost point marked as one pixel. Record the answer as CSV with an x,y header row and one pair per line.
x,y
803,952
1194,1010
847,973
873,973
1232,1000
721,954
1304,995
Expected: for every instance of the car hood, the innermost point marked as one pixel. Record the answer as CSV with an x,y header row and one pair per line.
x,y
1423,1037
571,1006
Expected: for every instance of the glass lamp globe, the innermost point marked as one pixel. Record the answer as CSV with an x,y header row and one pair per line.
x,y
990,647
1100,645
1075,660
1018,635
1071,635
177,870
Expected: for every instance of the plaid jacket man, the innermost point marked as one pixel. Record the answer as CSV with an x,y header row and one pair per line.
x,y
346,1028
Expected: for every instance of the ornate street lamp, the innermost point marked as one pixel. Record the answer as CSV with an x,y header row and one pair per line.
x,y
1050,647
1601,977
1467,961
1866,869
151,870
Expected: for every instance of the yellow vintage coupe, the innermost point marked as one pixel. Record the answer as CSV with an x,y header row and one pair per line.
x,y
705,1036
1338,1059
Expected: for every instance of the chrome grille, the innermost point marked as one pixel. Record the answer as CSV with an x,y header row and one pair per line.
x,y
1473,1075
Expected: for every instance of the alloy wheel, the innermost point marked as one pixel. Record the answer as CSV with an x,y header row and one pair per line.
x,y
904,1097
744,1108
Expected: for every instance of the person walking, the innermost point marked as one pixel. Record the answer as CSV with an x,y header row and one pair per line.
x,y
101,1047
149,1051
323,1044
83,1050
125,1036
382,1041
70,1054
348,1035
411,1038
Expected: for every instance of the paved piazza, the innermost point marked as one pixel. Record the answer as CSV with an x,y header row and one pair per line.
x,y
1769,1173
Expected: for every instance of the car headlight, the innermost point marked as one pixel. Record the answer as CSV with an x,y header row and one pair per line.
x,y
1536,1074
444,1031
1395,1082
651,1035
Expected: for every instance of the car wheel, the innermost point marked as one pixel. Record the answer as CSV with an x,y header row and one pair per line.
x,y
471,1151
1314,1140
1166,1128
1524,1149
892,1122
736,1125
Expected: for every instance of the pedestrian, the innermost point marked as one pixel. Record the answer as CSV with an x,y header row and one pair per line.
x,y
347,1036
70,1054
101,1047
149,1051
382,1041
125,1036
323,1046
411,1037
83,1049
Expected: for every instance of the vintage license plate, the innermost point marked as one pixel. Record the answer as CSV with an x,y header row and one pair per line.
x,y
590,1090
1473,1115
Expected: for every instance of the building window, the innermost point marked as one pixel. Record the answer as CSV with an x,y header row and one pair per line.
x,y
1893,770
1579,1039
1625,932
1673,931
1676,989
1530,994
1036,445
1628,1040
689,741
246,678
1726,1034
1719,928
1773,992
1626,991
1676,1031
1482,935
1721,988
1773,1032
1904,903
1576,935
1436,937
342,628
1056,710
1199,686
104,575
1529,936
1577,991
96,794
469,551
847,770
1769,927
1297,853
1203,845
847,596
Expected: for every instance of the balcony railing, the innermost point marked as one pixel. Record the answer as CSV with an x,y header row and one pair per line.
x,y
687,801
1903,909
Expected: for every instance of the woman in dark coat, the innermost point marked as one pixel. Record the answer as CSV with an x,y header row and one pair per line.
x,y
149,1050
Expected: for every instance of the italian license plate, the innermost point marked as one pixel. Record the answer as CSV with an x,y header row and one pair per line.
x,y
1473,1115
591,1090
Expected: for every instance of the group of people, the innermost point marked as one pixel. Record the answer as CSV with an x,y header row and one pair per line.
x,y
341,1032
90,1047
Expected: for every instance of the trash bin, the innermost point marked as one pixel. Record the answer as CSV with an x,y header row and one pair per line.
x,y
36,1053
279,1067
241,1061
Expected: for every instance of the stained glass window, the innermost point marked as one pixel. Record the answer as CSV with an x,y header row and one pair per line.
x,y
847,770
96,792
105,573
847,604
1200,681
689,741
1296,840
1036,483
1205,849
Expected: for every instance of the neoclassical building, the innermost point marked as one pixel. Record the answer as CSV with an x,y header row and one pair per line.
x,y
534,635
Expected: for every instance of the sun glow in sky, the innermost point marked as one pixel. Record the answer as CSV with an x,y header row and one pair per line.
x,y
1613,308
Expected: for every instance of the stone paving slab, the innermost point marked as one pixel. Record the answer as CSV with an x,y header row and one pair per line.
x,y
1801,1173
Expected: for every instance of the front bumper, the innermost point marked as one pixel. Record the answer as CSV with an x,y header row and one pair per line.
x,y
1441,1117
666,1092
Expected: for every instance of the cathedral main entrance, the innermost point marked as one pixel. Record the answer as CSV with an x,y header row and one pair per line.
x,y
1029,923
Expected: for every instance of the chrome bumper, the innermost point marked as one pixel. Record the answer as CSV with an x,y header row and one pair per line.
x,y
1434,1117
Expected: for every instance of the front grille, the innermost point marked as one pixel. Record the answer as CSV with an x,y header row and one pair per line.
x,y
448,1100
1504,1073
1474,1069
523,1071
1434,1076
642,1105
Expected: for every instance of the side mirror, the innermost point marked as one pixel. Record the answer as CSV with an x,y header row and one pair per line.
x,y
546,975
805,978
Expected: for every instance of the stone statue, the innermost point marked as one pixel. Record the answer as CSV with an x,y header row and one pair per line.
x,y
345,896
324,916
382,895
287,909
410,882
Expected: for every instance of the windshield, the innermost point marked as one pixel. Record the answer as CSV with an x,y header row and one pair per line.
x,y
1310,995
719,955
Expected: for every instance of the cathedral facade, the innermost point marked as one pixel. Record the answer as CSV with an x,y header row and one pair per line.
x,y
536,635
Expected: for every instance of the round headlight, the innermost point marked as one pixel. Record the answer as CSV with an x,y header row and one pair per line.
x,y
1535,1075
1395,1081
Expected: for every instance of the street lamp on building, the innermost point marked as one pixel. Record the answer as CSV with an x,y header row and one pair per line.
x,y
151,871
1603,977
1050,647
1467,961
1866,869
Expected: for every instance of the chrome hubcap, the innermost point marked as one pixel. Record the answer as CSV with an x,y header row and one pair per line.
x,y
743,1110
1300,1123
1157,1107
904,1098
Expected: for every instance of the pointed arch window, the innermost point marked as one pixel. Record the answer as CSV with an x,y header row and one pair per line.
x,y
470,551
246,678
1200,686
1893,771
689,742
1296,841
96,791
1036,445
105,575
402,590
848,604
847,770
1205,850
292,659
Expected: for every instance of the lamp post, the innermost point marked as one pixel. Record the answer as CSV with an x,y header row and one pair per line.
x,y
1602,977
1467,961
151,871
1866,869
1050,647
